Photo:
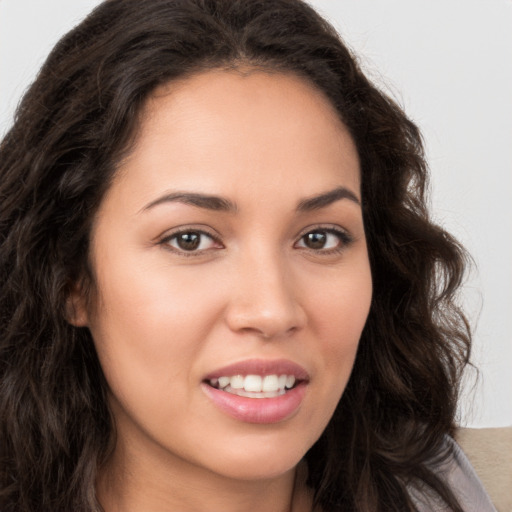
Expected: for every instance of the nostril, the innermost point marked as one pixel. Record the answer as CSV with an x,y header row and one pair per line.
x,y
266,323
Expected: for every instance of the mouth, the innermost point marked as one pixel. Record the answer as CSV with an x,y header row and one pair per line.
x,y
255,386
258,391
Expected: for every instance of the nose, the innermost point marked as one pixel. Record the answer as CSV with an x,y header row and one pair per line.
x,y
265,299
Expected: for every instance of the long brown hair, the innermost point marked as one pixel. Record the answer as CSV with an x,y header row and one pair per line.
x,y
56,162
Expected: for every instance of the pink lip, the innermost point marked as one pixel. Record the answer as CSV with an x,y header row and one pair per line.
x,y
259,410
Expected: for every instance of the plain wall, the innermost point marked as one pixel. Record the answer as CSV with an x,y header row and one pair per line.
x,y
448,63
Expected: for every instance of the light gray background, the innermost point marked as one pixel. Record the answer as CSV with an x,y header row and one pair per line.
x,y
448,63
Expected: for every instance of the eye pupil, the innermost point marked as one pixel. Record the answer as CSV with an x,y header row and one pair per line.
x,y
315,240
188,241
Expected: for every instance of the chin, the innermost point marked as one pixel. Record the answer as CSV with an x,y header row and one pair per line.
x,y
258,469
259,459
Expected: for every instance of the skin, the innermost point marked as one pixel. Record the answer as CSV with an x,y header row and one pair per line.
x,y
163,318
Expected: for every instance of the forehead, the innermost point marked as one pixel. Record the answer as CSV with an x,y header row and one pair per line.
x,y
227,129
241,90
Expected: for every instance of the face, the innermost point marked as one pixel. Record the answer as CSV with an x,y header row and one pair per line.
x,y
232,276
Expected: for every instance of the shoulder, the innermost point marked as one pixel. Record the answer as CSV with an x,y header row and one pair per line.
x,y
463,480
458,473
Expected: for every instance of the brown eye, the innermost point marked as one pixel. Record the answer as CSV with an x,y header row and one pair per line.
x,y
315,240
188,241
324,240
191,241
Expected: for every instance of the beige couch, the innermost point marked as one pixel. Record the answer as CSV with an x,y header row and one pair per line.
x,y
490,453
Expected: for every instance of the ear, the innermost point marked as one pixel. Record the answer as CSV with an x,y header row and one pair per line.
x,y
76,306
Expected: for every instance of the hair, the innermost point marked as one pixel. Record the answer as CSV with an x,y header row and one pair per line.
x,y
73,127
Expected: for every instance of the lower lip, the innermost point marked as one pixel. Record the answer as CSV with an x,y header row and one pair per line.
x,y
258,410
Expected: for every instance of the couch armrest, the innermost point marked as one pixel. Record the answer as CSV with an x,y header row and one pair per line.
x,y
490,452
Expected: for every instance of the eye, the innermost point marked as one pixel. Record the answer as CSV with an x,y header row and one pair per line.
x,y
327,240
191,241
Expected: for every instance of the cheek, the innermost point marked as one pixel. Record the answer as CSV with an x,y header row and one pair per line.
x,y
341,314
149,325
343,326
156,301
341,307
147,337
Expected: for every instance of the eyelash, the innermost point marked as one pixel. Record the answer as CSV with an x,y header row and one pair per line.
x,y
182,252
345,240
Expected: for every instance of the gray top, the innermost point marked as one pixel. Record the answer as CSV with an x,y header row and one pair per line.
x,y
458,473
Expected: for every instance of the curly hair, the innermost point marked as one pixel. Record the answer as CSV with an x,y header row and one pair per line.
x,y
74,125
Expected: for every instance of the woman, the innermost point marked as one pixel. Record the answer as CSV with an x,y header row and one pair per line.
x,y
221,289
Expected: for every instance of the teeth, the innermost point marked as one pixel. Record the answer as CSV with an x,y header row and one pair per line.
x,y
237,382
255,386
253,383
270,383
251,394
223,382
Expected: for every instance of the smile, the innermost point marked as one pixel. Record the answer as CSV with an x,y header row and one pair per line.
x,y
258,391
254,386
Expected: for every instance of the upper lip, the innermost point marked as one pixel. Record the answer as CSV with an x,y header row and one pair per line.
x,y
261,367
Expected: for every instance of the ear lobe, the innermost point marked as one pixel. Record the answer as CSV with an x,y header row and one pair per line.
x,y
76,307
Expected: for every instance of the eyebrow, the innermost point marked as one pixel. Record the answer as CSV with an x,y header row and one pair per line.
x,y
327,198
217,203
208,202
